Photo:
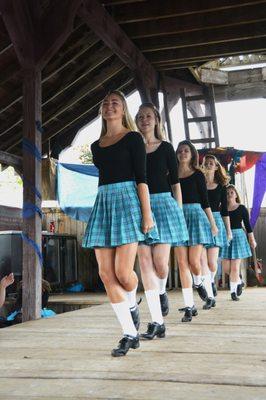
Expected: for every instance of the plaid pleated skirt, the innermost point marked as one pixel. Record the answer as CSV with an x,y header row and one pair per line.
x,y
169,219
116,217
199,228
219,240
238,247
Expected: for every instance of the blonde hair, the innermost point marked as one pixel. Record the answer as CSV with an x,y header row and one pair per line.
x,y
220,175
127,120
230,186
159,132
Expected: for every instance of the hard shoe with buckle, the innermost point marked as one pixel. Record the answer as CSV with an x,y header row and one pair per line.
x,y
154,329
126,343
164,304
202,292
135,316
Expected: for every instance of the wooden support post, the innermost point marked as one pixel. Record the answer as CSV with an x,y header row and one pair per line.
x,y
32,227
167,116
185,116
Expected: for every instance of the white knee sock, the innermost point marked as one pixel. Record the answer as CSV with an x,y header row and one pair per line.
x,y
154,305
162,285
124,317
213,276
207,284
188,297
233,287
132,297
197,280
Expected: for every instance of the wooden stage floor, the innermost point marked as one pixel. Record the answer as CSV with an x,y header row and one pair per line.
x,y
221,355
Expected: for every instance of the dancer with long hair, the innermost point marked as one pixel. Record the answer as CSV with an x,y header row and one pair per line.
x,y
121,216
166,203
200,223
239,247
216,180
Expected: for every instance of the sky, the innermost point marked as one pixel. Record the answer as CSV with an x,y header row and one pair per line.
x,y
241,124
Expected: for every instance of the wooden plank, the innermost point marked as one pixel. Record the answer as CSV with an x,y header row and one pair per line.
x,y
112,35
207,51
200,119
37,39
69,356
213,76
203,140
151,10
10,159
32,227
202,21
199,38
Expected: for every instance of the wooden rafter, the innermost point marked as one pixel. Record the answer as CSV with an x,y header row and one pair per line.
x,y
112,35
153,10
10,159
201,22
215,36
207,51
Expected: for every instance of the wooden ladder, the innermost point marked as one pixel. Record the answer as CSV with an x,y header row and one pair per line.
x,y
212,132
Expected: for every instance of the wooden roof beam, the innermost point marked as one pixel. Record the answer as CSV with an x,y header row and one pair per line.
x,y
113,36
153,10
216,35
189,23
207,51
10,159
37,39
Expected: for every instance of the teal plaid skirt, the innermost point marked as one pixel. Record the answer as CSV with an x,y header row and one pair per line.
x,y
116,217
238,247
219,240
199,228
169,219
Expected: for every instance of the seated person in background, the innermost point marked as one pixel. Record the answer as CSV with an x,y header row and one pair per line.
x,y
46,289
4,283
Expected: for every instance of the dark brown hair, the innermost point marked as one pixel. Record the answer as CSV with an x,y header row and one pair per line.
x,y
194,163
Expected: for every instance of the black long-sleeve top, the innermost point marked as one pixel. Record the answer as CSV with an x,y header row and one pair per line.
x,y
122,161
194,189
218,200
239,215
162,169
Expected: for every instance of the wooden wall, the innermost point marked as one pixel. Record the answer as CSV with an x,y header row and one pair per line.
x,y
10,218
87,265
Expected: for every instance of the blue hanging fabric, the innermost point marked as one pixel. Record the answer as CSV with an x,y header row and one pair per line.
x,y
77,187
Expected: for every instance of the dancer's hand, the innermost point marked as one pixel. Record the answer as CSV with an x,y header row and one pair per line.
x,y
147,223
252,243
214,230
7,280
229,235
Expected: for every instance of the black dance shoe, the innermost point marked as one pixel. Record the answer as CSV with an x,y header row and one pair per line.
x,y
126,343
188,315
135,316
154,329
202,292
239,288
234,297
164,304
214,289
210,302
193,308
